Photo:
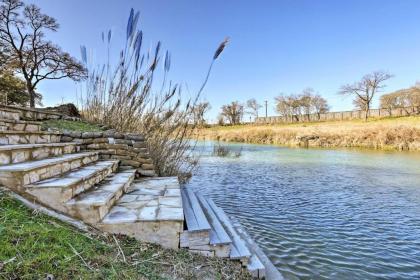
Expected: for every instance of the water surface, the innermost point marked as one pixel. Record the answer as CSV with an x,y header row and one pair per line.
x,y
323,214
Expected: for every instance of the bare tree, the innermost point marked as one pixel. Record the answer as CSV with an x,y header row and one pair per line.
x,y
319,105
199,111
22,38
253,107
283,106
364,90
295,107
305,100
233,112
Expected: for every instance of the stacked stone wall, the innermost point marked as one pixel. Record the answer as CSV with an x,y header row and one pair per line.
x,y
129,148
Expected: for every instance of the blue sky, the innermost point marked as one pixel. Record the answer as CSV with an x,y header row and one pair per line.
x,y
276,46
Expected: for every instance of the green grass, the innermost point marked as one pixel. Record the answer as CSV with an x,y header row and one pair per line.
x,y
33,246
70,125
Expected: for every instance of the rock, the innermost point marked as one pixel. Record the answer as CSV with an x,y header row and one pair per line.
x,y
139,145
109,133
96,134
147,166
131,163
66,139
135,137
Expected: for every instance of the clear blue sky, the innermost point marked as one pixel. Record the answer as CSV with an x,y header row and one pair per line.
x,y
276,46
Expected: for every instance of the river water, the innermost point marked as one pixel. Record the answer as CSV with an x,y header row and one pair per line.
x,y
322,214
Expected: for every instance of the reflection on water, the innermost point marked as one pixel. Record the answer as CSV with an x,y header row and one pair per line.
x,y
323,214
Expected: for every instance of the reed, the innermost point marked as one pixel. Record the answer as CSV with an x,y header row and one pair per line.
x,y
125,96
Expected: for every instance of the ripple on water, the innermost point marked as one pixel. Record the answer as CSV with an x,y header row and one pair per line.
x,y
323,214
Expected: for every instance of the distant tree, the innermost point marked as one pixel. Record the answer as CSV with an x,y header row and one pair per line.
x,y
296,106
253,107
22,37
320,105
13,90
220,120
233,112
283,106
401,99
199,112
365,90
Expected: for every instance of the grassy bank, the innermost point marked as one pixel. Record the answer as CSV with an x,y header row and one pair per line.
x,y
389,133
36,246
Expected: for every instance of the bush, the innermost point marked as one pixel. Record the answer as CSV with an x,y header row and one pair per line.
x,y
225,151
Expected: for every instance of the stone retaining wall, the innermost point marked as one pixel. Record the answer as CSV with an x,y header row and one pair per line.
x,y
33,114
129,148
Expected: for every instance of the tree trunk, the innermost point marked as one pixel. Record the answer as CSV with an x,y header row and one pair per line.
x,y
367,113
31,98
31,92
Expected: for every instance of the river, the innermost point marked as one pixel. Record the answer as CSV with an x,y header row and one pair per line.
x,y
321,213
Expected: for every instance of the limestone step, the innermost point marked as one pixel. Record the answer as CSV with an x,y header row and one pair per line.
x,y
15,176
220,241
93,205
28,137
198,227
9,114
54,192
239,250
27,152
256,268
16,125
150,211
32,113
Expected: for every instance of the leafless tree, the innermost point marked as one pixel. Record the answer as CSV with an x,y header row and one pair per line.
x,y
365,90
199,112
319,105
22,38
253,107
233,112
297,106
401,99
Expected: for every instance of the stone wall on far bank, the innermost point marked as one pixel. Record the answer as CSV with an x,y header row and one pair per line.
x,y
129,148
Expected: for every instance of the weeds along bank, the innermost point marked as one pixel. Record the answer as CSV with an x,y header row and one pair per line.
x,y
390,134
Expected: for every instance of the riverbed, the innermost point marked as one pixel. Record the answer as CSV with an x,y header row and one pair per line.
x,y
319,213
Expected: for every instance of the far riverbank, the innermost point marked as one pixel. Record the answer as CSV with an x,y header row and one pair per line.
x,y
387,134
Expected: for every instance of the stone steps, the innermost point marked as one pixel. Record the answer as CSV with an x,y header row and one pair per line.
x,y
197,235
28,137
27,113
150,211
55,192
16,125
226,240
220,242
91,206
239,250
256,267
9,114
15,176
27,152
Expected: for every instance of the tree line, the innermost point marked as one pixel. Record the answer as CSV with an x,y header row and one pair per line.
x,y
299,106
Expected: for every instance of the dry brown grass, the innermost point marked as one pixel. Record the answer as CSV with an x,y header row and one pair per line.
x,y
391,133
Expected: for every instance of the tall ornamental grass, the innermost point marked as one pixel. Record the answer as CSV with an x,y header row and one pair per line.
x,y
126,97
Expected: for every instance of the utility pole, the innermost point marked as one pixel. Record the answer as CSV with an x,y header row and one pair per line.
x,y
266,115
